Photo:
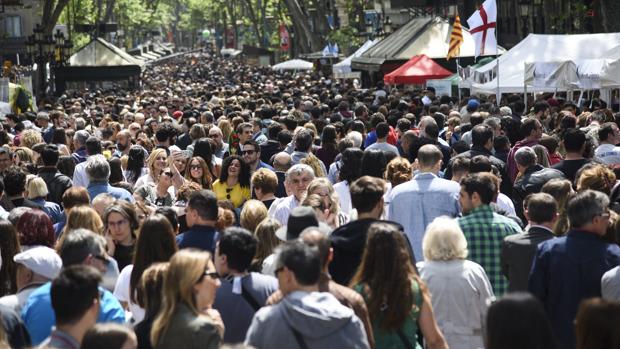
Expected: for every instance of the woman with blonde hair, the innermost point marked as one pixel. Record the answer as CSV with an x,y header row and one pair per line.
x,y
81,217
267,242
37,192
30,137
186,318
397,171
561,190
324,188
460,287
316,164
225,127
157,162
252,214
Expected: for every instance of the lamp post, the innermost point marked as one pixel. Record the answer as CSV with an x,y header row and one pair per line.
x,y
524,8
43,49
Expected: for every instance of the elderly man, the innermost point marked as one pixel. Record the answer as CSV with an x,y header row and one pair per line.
x,y
281,163
568,269
79,143
98,172
532,177
221,147
35,267
298,177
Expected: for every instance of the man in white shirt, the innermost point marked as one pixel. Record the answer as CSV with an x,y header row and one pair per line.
x,y
298,177
607,151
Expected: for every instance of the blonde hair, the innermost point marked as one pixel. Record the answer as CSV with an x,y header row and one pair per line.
x,y
226,129
316,183
186,267
596,177
444,240
252,214
314,162
30,137
81,217
267,239
151,162
24,154
398,171
36,188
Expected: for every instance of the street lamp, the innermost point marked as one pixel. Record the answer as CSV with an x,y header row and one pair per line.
x,y
524,8
44,49
387,26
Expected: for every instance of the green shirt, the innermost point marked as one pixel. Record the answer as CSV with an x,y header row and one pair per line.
x,y
485,230
390,339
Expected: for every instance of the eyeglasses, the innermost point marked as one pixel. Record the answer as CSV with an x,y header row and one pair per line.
x,y
249,152
213,275
228,191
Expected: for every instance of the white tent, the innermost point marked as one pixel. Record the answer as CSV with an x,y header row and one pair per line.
x,y
342,70
539,48
99,53
293,64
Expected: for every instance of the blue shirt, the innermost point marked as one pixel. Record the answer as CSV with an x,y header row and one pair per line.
x,y
567,270
96,188
53,210
264,165
202,237
39,317
416,203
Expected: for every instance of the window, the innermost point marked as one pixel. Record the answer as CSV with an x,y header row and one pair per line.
x,y
13,26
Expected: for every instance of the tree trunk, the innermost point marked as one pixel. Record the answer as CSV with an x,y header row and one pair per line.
x,y
610,12
307,40
255,22
109,11
51,13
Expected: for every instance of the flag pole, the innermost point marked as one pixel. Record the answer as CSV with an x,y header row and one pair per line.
x,y
499,96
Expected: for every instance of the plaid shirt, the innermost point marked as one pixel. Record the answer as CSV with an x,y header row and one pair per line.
x,y
485,230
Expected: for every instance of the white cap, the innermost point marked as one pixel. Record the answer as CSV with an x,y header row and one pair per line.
x,y
41,260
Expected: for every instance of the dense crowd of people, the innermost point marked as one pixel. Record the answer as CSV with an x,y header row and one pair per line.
x,y
229,205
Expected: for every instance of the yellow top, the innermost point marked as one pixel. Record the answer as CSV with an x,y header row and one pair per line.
x,y
236,194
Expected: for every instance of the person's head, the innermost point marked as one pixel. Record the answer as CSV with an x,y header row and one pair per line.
x,y
75,196
123,140
36,265
157,161
121,221
204,149
252,213
531,128
14,181
430,158
540,208
75,296
398,171
101,202
525,158
201,208
303,140
589,210
298,177
245,131
79,138
36,188
264,182
198,171
597,325
382,130
93,145
191,280
82,246
215,133
110,336
267,240
595,177
482,136
574,141
50,155
518,320
85,217
250,152
373,163
367,195
235,251
234,166
351,165
282,161
609,133
5,158
477,189
298,266
460,168
166,134
444,240
387,270
35,228
97,168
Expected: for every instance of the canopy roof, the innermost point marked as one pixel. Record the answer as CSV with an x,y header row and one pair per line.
x,y
100,53
293,64
416,71
343,68
424,35
541,48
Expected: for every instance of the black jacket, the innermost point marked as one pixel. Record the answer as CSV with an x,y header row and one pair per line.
x,y
505,187
531,182
57,183
269,149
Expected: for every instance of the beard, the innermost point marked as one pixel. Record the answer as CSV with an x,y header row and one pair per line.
x,y
121,146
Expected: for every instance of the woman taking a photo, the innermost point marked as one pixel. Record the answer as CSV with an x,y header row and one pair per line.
x,y
398,301
186,318
234,183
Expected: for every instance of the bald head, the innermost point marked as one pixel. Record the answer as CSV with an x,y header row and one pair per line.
x,y
282,161
313,236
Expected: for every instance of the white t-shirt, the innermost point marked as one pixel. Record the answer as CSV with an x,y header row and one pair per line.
x,y
608,153
122,293
342,189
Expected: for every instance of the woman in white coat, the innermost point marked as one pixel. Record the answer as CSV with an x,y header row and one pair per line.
x,y
460,289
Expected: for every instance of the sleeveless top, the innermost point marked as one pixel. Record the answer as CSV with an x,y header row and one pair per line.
x,y
391,339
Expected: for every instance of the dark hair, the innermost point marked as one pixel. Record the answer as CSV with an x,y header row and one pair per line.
x,y
205,203
541,207
239,247
517,321
78,245
351,168
597,325
273,130
73,292
166,132
135,163
116,170
9,245
253,143
584,206
59,136
373,163
460,164
14,181
482,183
106,336
66,165
93,146
244,173
573,140
284,137
155,244
527,126
500,142
605,130
302,260
204,149
171,214
366,193
382,130
50,155
480,163
540,106
480,135
303,140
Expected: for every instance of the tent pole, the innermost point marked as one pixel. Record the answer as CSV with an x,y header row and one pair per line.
x,y
458,65
499,96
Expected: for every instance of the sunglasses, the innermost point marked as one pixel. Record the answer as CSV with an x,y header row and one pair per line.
x,y
228,191
249,152
210,274
195,167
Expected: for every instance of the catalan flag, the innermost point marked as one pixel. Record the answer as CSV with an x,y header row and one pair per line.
x,y
456,38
